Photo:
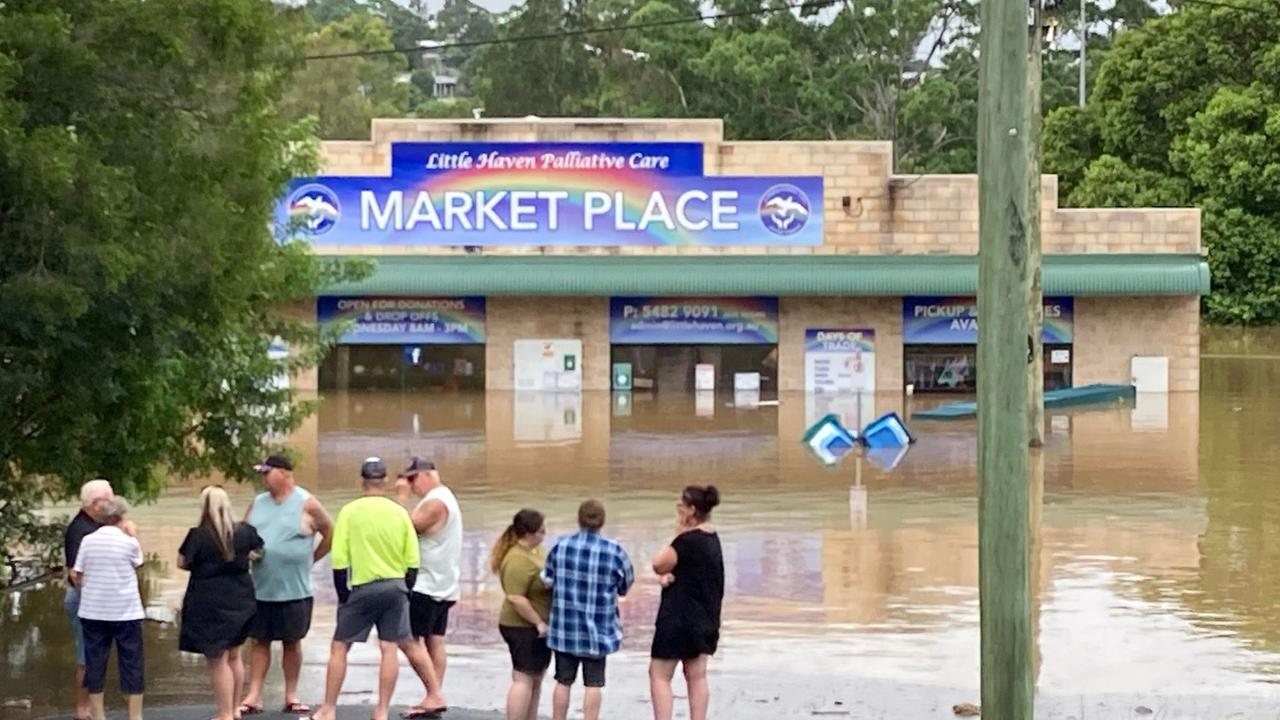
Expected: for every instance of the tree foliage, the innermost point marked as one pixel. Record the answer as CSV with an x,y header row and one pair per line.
x,y
141,152
1186,113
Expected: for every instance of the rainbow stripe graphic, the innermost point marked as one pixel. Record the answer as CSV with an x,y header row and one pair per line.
x,y
554,195
693,321
385,320
839,340
954,320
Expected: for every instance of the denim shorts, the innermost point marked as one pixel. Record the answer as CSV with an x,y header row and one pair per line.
x,y
71,603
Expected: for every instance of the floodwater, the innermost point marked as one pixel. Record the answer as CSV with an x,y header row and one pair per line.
x,y
850,591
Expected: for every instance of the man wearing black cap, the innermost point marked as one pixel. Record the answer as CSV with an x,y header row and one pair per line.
x,y
375,563
287,518
438,521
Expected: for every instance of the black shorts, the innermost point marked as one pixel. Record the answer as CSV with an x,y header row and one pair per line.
x,y
427,615
673,640
529,653
381,603
287,621
567,670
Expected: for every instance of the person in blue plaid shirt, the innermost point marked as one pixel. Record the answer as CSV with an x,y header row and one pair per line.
x,y
587,573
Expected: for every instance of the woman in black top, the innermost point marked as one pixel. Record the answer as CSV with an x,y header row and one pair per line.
x,y
691,569
219,604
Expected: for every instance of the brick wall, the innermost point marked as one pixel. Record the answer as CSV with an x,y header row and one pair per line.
x,y
1109,331
868,209
546,318
884,315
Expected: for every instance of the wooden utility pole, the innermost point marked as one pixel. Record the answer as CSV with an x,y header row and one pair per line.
x,y
1035,299
1003,347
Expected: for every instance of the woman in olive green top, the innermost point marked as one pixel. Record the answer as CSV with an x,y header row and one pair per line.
x,y
517,559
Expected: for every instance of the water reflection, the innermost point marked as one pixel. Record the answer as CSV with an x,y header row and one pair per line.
x,y
1156,558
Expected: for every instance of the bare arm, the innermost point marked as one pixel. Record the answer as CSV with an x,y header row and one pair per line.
x,y
665,561
428,515
525,609
323,524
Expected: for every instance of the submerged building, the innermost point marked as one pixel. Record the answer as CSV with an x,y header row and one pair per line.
x,y
653,254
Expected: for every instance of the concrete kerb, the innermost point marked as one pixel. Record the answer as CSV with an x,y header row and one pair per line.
x,y
345,712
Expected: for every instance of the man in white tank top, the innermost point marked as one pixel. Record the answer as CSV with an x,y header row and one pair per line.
x,y
438,521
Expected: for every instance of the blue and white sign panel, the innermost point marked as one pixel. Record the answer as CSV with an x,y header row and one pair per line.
x,y
563,194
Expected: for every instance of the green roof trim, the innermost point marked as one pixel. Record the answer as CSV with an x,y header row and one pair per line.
x,y
783,275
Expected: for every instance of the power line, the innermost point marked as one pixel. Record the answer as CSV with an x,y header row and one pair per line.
x,y
1232,6
561,34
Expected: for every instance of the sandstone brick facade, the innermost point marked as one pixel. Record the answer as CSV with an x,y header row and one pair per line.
x,y
868,210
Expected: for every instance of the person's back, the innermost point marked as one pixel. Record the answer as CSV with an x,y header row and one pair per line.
x,y
587,573
374,531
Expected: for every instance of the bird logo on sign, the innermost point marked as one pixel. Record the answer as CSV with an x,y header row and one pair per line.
x,y
315,207
784,209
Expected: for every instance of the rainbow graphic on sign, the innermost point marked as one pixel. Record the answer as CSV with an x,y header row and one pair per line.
x,y
386,320
954,320
570,194
693,320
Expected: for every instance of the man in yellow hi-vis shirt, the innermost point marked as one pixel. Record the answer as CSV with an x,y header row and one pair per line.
x,y
375,563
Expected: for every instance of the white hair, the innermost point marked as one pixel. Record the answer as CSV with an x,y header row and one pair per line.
x,y
95,490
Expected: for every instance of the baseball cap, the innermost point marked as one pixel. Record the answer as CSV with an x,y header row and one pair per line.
x,y
418,465
274,461
373,469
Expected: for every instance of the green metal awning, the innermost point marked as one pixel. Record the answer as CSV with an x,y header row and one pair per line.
x,y
783,275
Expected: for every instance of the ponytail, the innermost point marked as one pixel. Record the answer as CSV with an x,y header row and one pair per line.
x,y
526,522
215,514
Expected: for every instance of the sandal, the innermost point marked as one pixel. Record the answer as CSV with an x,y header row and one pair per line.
x,y
297,708
247,709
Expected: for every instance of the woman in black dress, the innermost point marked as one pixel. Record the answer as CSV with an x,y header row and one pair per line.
x,y
219,604
691,569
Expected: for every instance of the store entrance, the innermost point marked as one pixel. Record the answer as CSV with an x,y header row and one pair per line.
x,y
403,367
954,368
672,368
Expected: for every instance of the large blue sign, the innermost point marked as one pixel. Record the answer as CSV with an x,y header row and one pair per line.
x,y
954,320
693,321
385,320
562,194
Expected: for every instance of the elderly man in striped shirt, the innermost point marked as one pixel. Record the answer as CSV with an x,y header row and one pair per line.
x,y
587,574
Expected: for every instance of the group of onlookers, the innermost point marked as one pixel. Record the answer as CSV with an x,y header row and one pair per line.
x,y
396,556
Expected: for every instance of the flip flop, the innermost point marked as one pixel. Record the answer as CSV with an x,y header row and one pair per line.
x,y
247,709
417,712
297,708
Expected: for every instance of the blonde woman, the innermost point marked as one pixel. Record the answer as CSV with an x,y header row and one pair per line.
x,y
518,559
219,604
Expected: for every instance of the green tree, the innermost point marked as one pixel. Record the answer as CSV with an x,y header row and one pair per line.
x,y
344,94
141,154
1185,112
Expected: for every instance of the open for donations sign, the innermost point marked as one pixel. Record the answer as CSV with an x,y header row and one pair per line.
x,y
385,320
839,360
565,194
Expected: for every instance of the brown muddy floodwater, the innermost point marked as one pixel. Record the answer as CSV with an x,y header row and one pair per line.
x,y
850,592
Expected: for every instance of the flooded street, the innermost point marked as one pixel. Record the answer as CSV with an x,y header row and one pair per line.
x,y
850,592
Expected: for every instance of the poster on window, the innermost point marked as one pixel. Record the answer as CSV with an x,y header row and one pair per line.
x,y
548,365
839,360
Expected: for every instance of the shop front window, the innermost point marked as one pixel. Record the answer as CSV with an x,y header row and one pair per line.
x,y
941,368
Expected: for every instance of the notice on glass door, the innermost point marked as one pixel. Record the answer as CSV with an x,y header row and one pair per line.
x,y
839,361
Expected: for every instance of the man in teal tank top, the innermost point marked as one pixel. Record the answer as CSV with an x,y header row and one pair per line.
x,y
288,518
